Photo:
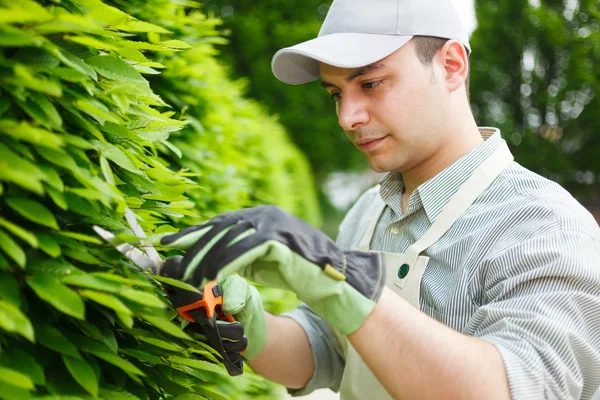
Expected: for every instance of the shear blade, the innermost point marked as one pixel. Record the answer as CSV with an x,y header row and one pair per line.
x,y
137,256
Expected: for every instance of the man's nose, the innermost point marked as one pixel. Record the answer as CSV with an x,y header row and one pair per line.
x,y
352,113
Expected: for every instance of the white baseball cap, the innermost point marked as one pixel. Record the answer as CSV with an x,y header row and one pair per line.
x,y
357,33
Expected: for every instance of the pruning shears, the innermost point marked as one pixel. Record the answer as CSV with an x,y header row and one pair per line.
x,y
202,308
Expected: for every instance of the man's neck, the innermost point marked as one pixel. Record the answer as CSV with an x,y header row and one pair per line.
x,y
460,146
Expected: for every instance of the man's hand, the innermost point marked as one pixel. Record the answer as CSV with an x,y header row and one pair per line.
x,y
271,247
243,301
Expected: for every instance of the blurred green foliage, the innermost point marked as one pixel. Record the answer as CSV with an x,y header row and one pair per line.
x,y
90,128
536,75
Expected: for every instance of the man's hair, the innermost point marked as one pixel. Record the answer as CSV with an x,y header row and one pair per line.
x,y
427,47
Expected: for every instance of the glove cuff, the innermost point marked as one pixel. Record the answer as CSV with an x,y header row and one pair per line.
x,y
365,272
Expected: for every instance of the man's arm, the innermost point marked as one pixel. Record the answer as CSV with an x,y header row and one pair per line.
x,y
287,357
416,357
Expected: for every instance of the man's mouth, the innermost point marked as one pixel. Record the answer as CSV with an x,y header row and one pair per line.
x,y
368,144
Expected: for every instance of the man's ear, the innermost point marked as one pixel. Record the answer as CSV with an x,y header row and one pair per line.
x,y
455,61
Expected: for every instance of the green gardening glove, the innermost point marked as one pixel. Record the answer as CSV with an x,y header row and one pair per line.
x,y
243,301
270,246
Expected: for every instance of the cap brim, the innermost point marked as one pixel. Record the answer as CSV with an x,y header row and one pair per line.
x,y
300,64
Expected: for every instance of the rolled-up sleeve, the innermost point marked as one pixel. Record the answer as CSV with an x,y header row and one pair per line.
x,y
326,348
541,309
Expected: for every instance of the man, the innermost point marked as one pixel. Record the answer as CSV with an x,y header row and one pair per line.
x,y
462,275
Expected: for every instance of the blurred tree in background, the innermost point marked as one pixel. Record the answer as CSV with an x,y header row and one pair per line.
x,y
536,75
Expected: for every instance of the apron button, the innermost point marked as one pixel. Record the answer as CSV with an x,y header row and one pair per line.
x,y
403,271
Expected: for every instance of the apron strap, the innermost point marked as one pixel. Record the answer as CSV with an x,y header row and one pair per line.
x,y
479,181
365,242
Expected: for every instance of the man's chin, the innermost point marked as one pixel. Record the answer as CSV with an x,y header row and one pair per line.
x,y
378,166
381,165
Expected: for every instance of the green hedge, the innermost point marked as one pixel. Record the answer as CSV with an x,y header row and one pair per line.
x,y
104,108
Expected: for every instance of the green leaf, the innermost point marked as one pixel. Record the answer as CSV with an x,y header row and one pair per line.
x,y
53,339
80,237
161,343
132,54
81,254
9,392
96,110
20,171
23,362
91,42
13,320
118,156
48,245
143,298
122,279
69,23
140,26
115,69
33,211
118,362
58,295
166,326
49,110
111,392
196,364
108,15
14,378
4,265
176,283
142,356
12,249
73,61
173,148
9,289
25,77
24,11
175,44
14,37
126,319
107,300
25,132
52,177
190,396
93,282
58,198
77,141
106,171
83,373
4,105
108,338
210,392
19,232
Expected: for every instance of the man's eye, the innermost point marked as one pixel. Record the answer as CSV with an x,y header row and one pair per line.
x,y
371,85
336,96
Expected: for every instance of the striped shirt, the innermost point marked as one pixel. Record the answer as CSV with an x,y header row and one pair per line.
x,y
520,269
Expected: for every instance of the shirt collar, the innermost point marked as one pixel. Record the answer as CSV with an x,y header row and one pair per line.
x,y
436,192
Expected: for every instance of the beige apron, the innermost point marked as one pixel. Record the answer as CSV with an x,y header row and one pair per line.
x,y
405,270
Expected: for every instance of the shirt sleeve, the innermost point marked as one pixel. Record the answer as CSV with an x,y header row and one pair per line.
x,y
541,308
326,348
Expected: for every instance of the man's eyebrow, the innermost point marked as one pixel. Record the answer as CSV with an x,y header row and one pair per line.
x,y
355,74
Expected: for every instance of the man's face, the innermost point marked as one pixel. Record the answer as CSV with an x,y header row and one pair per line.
x,y
391,110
